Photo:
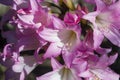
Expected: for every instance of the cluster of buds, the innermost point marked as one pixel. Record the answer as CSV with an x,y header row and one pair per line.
x,y
69,33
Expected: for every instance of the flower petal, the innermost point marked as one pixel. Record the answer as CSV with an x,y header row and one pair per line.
x,y
98,38
55,64
49,35
53,51
105,74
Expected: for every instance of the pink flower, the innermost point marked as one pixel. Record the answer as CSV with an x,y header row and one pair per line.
x,y
98,68
63,72
25,36
105,22
30,16
36,28
61,37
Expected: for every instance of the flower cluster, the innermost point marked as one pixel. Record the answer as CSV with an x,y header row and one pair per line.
x,y
66,30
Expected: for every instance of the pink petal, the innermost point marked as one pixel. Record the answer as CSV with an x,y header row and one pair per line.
x,y
113,36
28,18
55,64
22,75
68,57
112,59
27,63
105,74
103,50
34,5
57,23
100,5
49,35
53,50
98,38
85,74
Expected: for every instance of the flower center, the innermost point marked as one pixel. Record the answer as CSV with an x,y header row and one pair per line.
x,y
95,77
68,38
66,74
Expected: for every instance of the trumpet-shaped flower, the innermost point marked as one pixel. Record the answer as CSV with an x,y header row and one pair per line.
x,y
100,69
105,22
63,72
38,29
60,39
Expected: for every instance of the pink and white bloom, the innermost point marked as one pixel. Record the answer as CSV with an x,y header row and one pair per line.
x,y
38,29
98,69
61,37
63,72
105,22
